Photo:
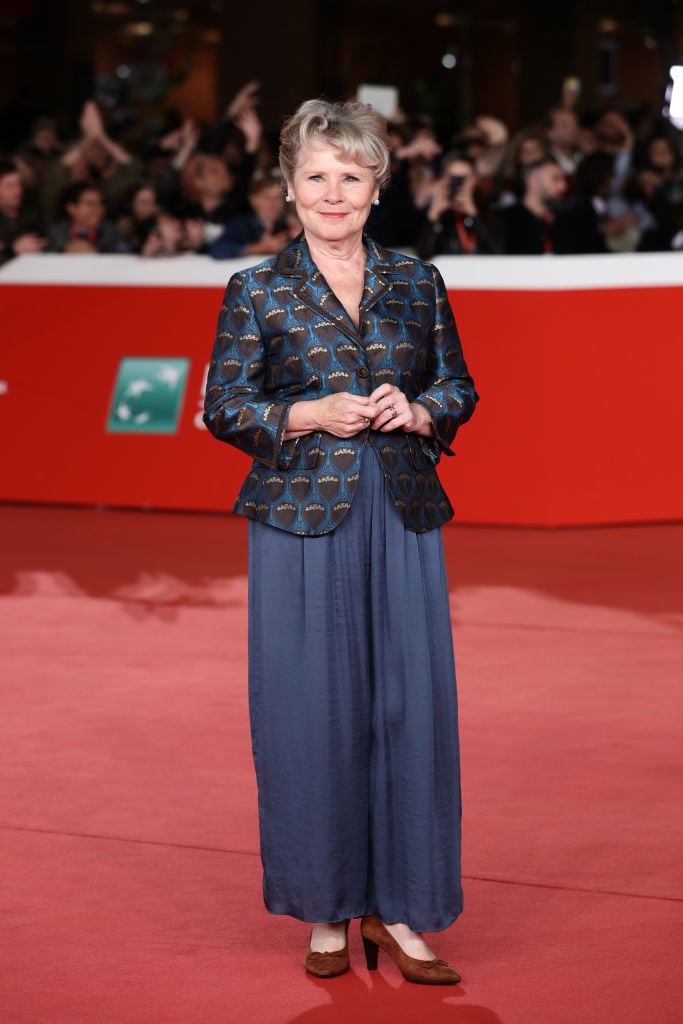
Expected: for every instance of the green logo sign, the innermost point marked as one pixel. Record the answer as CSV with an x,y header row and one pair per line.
x,y
148,396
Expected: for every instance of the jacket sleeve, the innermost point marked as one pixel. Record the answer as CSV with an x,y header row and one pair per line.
x,y
237,409
450,396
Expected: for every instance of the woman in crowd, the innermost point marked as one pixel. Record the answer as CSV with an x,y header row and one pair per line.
x,y
337,366
263,231
528,147
139,215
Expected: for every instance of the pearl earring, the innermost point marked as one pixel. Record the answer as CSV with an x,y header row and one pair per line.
x,y
375,202
288,198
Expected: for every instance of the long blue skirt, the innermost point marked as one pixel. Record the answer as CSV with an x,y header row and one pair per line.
x,y
354,718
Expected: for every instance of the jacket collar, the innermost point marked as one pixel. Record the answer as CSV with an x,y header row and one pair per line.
x,y
312,289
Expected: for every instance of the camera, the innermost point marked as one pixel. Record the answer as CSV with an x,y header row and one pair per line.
x,y
455,183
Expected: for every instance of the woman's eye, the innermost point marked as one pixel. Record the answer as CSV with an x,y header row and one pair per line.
x,y
351,177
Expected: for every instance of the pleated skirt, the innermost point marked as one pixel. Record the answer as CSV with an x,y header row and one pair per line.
x,y
354,718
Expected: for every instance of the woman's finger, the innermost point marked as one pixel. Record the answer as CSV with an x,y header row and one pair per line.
x,y
382,391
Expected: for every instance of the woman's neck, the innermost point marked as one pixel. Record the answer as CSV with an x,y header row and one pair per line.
x,y
347,252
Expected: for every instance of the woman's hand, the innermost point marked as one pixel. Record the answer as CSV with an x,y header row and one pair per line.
x,y
342,415
397,413
267,244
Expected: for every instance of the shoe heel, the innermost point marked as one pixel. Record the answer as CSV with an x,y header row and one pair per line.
x,y
371,953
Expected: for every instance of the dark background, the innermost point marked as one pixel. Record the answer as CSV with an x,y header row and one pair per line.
x,y
142,58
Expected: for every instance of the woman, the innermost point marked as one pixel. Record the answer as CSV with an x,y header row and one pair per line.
x,y
261,232
139,215
337,367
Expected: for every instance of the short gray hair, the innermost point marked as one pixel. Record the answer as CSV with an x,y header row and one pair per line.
x,y
357,129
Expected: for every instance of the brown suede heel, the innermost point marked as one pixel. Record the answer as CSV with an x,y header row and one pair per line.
x,y
328,965
421,972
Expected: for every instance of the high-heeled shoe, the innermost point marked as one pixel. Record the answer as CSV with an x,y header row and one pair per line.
x,y
422,972
328,965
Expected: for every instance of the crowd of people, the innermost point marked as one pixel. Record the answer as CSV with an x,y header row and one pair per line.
x,y
570,184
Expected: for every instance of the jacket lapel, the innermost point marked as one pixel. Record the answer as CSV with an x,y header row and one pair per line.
x,y
377,266
313,291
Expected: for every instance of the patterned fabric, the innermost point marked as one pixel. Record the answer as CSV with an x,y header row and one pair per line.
x,y
283,336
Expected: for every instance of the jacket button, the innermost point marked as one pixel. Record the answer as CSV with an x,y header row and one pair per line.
x,y
363,371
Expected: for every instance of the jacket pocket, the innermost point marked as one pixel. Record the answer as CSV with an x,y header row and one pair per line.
x,y
422,452
301,452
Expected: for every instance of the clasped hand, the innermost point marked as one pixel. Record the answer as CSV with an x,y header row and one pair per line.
x,y
387,408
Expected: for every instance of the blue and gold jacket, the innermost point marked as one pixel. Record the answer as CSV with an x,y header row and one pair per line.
x,y
283,336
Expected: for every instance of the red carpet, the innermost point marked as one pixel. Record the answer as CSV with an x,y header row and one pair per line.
x,y
129,872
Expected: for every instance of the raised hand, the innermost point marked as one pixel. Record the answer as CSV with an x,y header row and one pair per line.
x,y
91,123
247,96
249,123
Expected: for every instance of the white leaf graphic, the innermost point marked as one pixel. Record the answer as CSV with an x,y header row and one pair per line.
x,y
138,387
169,375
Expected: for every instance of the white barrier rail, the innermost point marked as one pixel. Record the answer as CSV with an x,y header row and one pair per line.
x,y
485,273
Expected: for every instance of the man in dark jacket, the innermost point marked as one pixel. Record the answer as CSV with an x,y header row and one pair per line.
x,y
578,227
526,228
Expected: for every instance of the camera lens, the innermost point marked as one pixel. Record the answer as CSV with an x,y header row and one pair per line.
x,y
455,183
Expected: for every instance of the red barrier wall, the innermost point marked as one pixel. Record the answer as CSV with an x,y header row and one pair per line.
x,y
580,420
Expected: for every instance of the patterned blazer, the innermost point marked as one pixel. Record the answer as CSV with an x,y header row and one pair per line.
x,y
283,336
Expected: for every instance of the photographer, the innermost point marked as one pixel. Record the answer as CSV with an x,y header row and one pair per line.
x,y
452,224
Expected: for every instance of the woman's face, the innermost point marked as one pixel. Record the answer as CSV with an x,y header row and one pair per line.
x,y
144,204
333,195
268,204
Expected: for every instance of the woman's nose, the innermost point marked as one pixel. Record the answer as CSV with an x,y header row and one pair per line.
x,y
332,194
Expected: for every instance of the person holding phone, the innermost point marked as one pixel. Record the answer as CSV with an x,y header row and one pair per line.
x,y
452,222
265,230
